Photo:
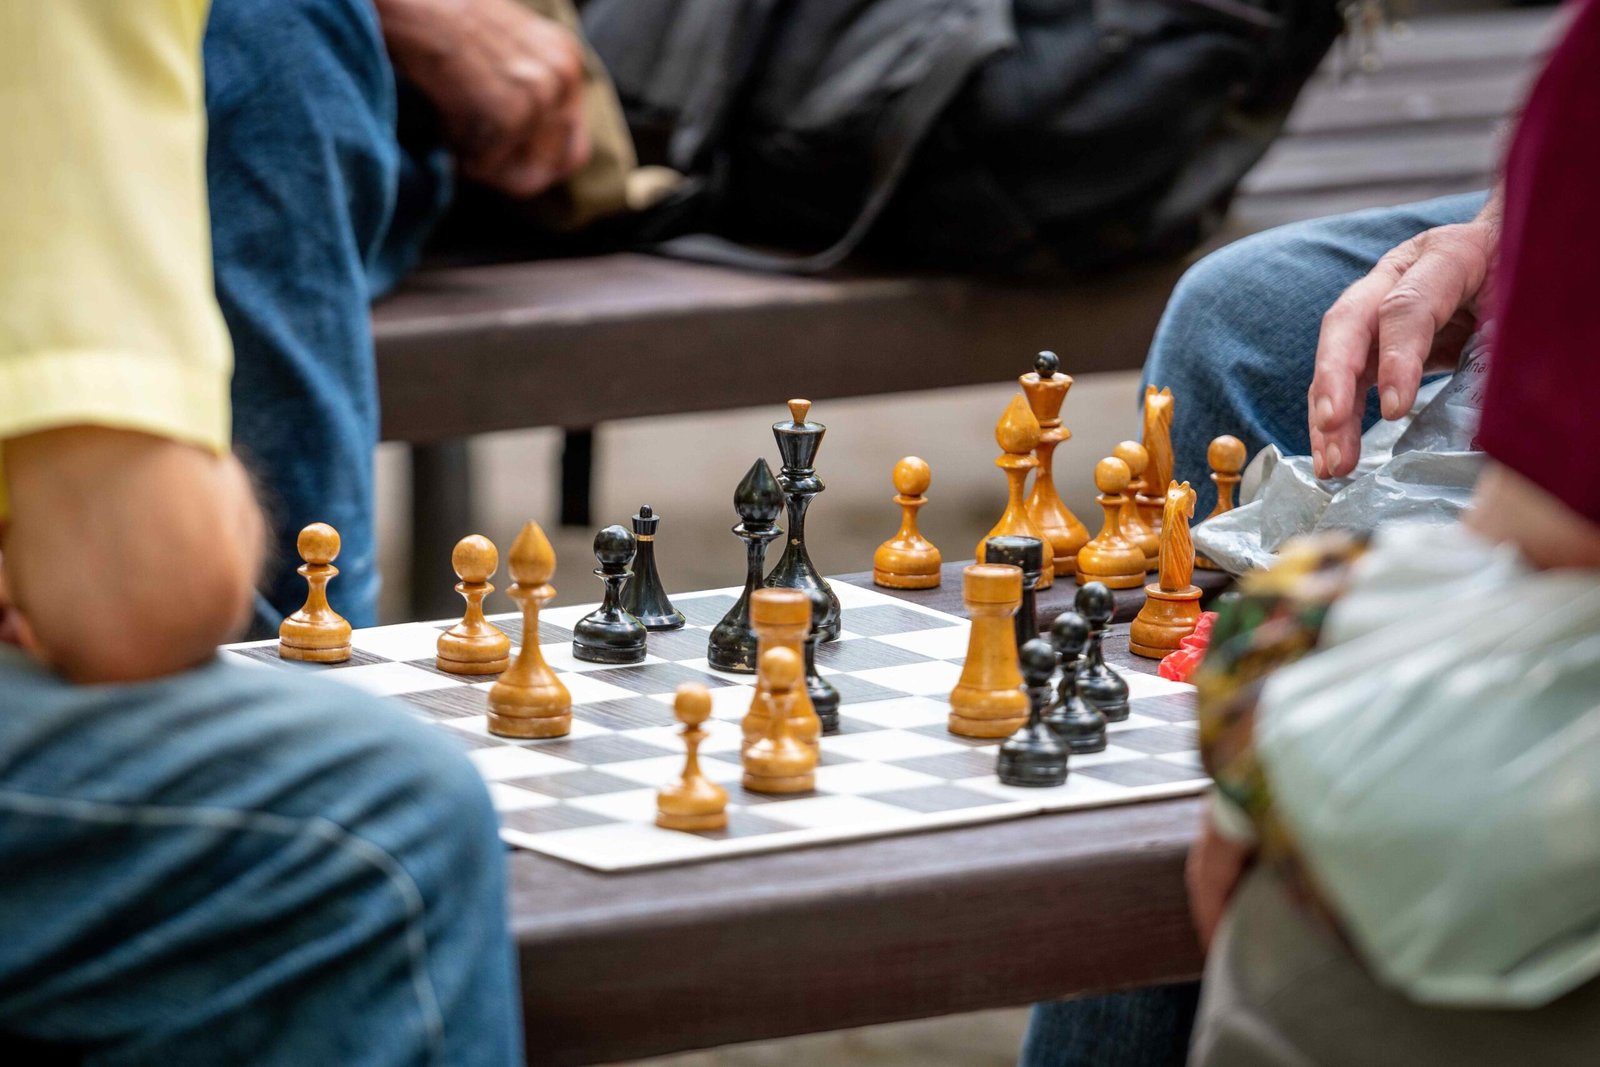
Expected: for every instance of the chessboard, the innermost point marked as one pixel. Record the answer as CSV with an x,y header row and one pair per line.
x,y
893,767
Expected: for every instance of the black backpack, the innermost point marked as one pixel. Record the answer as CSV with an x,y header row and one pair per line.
x,y
975,134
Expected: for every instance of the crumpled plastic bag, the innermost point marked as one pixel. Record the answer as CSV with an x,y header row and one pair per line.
x,y
1420,469
1436,763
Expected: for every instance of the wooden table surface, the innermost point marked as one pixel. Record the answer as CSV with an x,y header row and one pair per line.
x,y
625,965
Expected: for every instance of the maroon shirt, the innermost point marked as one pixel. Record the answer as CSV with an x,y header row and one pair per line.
x,y
1541,413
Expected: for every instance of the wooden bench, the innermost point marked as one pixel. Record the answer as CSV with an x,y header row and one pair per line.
x,y
577,342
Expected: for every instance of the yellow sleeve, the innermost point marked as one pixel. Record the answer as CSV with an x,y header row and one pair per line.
x,y
108,314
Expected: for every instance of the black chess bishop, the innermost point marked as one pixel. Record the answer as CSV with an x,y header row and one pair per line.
x,y
758,499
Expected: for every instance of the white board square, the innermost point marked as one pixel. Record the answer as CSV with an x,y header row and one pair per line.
x,y
888,745
838,812
514,761
858,779
902,713
510,798
934,678
387,679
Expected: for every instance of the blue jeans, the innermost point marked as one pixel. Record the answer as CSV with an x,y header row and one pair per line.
x,y
316,210
1238,341
243,865
1237,344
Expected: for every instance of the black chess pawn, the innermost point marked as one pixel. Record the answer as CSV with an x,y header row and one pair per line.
x,y
1098,685
732,646
644,597
798,441
1082,727
824,697
609,634
1034,755
1028,554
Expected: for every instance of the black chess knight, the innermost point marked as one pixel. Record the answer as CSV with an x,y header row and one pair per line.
x,y
609,634
732,646
644,597
798,441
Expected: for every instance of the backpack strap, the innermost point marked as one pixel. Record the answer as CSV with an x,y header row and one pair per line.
x,y
905,123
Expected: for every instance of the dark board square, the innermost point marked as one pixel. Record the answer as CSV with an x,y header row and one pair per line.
x,y
743,824
688,643
450,703
1138,772
584,783
738,794
656,678
431,665
592,751
553,817
1157,740
942,732
881,619
705,610
1173,707
829,758
847,725
931,798
969,764
863,655
631,713
853,690
269,654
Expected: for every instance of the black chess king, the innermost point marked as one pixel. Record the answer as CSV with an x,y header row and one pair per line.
x,y
798,441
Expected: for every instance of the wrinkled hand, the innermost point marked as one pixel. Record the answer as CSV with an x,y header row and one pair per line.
x,y
1212,874
508,85
1410,316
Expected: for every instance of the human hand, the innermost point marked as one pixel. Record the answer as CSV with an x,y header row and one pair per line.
x,y
1211,874
1411,315
508,85
13,627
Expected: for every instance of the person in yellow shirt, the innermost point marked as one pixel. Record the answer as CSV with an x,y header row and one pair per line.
x,y
197,863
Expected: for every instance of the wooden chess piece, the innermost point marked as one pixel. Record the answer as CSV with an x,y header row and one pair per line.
x,y
316,633
693,802
1226,459
824,697
778,761
1110,557
644,597
1157,442
1017,433
908,560
758,499
609,634
1081,727
782,619
474,645
1034,756
1028,555
1132,522
989,701
529,700
798,441
1172,605
1098,685
1046,389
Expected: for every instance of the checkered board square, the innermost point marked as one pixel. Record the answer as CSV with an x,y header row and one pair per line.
x,y
589,798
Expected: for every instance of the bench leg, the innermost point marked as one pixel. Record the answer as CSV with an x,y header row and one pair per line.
x,y
577,476
441,514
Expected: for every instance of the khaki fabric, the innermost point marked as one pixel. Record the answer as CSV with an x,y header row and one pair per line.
x,y
612,182
1280,990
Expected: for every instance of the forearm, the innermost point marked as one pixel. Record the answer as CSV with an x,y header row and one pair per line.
x,y
129,556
